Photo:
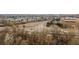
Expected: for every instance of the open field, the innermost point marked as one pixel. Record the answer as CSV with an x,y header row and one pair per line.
x,y
36,33
30,31
39,30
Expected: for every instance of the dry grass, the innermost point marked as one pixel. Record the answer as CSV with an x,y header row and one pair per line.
x,y
16,35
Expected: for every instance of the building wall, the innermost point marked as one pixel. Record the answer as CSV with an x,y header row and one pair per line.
x,y
70,22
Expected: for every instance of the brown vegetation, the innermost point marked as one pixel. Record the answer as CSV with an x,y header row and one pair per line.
x,y
16,35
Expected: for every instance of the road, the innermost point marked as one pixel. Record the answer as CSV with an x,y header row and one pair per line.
x,y
33,26
39,27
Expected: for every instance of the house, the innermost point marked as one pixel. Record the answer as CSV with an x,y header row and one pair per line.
x,y
70,21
